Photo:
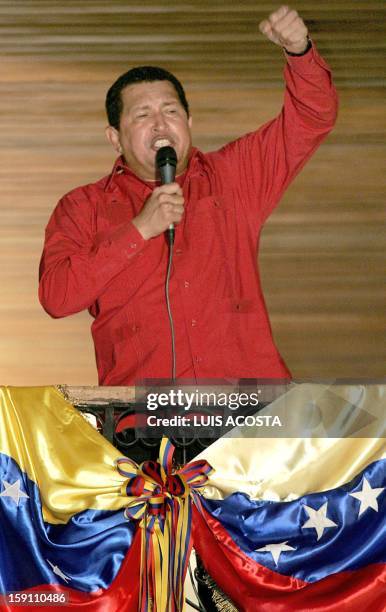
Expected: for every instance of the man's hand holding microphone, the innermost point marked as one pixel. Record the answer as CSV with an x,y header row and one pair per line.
x,y
164,207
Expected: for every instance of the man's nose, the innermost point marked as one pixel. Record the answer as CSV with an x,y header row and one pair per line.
x,y
159,122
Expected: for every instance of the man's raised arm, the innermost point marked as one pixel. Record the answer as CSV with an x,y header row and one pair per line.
x,y
271,157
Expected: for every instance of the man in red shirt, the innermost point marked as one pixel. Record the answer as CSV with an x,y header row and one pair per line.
x,y
105,247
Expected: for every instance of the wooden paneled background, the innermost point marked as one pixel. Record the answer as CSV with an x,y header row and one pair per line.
x,y
323,251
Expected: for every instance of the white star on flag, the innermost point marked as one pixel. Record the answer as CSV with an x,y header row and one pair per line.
x,y
56,570
275,550
318,520
367,496
13,491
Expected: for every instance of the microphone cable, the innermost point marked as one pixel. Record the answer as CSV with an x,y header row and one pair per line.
x,y
167,295
166,163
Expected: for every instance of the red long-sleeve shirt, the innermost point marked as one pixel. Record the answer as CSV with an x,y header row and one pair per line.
x,y
95,258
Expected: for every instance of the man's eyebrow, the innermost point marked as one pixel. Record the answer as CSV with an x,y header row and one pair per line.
x,y
145,106
139,107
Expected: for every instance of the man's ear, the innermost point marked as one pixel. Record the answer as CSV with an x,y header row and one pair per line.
x,y
190,121
112,136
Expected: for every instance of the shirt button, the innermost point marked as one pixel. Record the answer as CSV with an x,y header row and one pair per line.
x,y
133,245
193,322
186,284
198,359
178,251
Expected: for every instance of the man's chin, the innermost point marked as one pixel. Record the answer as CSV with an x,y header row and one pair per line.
x,y
144,170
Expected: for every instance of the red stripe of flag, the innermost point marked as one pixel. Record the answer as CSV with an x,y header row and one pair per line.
x,y
253,587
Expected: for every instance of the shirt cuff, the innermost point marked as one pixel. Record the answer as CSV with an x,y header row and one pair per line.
x,y
308,62
124,240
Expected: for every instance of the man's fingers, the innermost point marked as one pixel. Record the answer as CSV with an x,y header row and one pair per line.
x,y
172,212
279,14
168,188
290,22
173,208
265,27
277,22
286,28
160,210
295,33
284,22
167,198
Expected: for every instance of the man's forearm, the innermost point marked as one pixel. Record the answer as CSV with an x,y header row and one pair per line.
x,y
76,267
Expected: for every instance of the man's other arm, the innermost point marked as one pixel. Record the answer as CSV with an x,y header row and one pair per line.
x,y
271,157
79,263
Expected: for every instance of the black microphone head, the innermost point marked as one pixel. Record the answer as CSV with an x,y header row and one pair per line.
x,y
166,155
166,162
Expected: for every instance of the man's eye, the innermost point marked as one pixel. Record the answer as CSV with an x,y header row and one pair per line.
x,y
141,115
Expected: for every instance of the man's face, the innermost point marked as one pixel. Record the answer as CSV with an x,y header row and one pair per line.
x,y
152,117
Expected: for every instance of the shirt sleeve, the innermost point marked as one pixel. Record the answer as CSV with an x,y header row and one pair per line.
x,y
267,160
77,263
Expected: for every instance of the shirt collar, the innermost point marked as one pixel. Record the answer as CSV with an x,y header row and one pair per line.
x,y
121,167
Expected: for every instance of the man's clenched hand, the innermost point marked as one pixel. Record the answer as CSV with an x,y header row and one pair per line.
x,y
284,27
163,207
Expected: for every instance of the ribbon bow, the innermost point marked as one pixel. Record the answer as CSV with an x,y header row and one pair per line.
x,y
161,500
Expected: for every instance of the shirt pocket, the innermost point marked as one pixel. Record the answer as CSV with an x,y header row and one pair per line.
x,y
245,325
206,226
204,241
239,305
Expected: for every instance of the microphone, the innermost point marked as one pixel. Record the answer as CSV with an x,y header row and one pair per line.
x,y
166,162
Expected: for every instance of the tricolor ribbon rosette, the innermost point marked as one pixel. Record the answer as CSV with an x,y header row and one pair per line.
x,y
161,500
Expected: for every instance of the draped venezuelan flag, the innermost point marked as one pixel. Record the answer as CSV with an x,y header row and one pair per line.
x,y
299,524
285,524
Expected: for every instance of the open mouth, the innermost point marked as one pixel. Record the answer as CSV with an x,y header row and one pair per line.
x,y
161,142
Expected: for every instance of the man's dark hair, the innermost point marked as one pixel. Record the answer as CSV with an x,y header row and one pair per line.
x,y
139,75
